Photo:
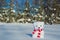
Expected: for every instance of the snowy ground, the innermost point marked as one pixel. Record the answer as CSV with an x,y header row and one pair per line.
x,y
23,32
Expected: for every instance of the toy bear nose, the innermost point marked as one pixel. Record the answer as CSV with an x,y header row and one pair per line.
x,y
38,27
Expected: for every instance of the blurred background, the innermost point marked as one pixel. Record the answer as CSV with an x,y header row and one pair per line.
x,y
14,14
29,11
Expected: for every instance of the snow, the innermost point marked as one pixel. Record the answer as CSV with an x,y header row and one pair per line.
x,y
19,31
52,32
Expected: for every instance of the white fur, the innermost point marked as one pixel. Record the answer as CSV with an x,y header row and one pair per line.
x,y
36,26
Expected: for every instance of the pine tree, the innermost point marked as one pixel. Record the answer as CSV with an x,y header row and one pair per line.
x,y
11,11
57,10
27,6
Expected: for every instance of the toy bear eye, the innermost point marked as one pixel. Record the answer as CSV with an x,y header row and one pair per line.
x,y
36,25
